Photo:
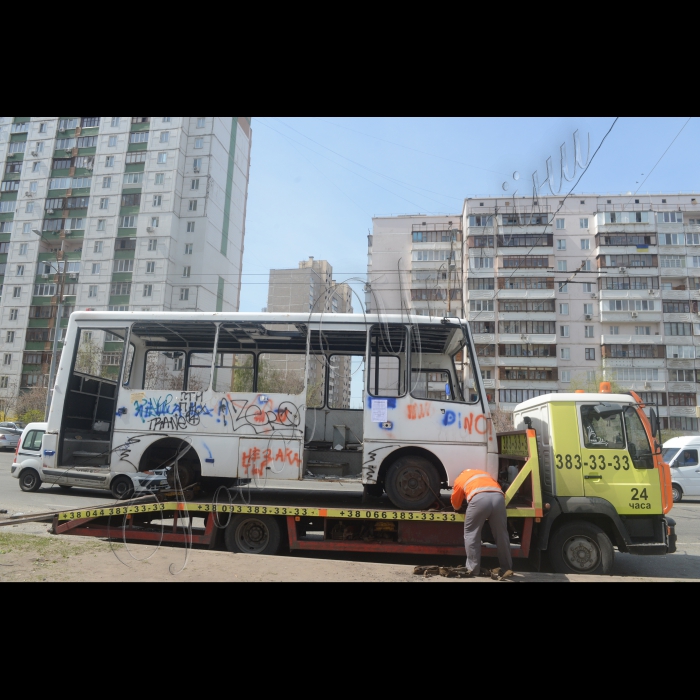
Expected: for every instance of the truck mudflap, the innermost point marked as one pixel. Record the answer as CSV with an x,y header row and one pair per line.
x,y
648,535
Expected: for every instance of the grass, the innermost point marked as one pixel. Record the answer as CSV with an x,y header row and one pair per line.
x,y
52,548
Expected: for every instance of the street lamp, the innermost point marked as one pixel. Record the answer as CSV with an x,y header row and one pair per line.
x,y
57,330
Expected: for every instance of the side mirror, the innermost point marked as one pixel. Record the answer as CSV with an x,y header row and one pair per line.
x,y
654,421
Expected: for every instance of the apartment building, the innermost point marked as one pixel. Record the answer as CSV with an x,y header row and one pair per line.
x,y
559,292
310,288
117,213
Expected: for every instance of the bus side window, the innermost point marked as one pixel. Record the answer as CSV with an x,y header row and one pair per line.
x,y
235,373
165,371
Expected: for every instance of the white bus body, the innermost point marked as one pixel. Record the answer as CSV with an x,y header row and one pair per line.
x,y
265,397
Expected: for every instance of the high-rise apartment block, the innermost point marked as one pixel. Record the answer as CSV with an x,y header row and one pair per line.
x,y
310,288
115,213
560,292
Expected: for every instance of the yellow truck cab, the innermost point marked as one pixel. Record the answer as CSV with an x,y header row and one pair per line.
x,y
603,478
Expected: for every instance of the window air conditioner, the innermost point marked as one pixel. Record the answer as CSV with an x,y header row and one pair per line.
x,y
588,317
73,275
651,292
635,314
28,194
35,154
49,211
594,296
69,150
623,270
196,171
675,355
61,131
647,385
150,229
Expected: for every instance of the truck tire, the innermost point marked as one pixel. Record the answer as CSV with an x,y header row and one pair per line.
x,y
677,493
30,481
253,534
412,483
581,547
122,488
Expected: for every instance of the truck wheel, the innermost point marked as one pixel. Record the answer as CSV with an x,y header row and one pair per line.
x,y
412,483
30,481
677,493
253,534
122,488
581,548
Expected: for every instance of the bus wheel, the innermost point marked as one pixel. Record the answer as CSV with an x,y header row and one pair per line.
x,y
122,488
253,534
677,493
30,480
581,548
412,483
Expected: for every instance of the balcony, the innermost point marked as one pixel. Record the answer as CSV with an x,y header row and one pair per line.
x,y
620,317
631,340
525,263
645,350
529,362
481,294
528,374
534,294
534,338
677,294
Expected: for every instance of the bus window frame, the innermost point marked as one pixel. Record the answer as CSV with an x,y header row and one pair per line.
x,y
368,363
460,398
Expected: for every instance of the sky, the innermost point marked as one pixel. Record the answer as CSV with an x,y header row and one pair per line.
x,y
316,182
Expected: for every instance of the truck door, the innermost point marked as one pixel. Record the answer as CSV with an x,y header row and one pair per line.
x,y
617,460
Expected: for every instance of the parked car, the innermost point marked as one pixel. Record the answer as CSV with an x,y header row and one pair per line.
x,y
681,454
28,468
8,439
16,428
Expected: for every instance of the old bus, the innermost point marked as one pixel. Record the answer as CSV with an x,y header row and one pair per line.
x,y
394,403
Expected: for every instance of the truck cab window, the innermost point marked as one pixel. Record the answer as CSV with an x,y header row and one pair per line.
x,y
602,433
637,441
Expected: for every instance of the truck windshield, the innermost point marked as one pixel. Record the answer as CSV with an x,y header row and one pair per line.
x,y
637,441
670,454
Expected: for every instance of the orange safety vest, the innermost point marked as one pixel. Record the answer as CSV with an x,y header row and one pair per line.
x,y
471,482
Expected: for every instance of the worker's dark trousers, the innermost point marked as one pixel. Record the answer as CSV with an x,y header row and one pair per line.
x,y
485,506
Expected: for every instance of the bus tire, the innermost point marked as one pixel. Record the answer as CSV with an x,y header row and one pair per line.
x,y
581,547
253,534
412,483
122,488
30,481
677,493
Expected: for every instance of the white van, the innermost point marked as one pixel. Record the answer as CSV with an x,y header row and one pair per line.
x,y
28,467
682,454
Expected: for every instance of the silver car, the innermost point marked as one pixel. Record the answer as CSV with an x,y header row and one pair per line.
x,y
8,440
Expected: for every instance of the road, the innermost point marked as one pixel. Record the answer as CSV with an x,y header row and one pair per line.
x,y
684,564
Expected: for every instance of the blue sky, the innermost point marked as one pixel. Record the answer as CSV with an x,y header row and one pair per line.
x,y
316,182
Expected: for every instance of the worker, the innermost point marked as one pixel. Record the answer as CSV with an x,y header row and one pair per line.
x,y
485,501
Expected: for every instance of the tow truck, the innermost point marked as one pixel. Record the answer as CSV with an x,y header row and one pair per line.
x,y
582,474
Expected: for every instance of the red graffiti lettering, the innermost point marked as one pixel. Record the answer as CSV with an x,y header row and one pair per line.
x,y
476,425
279,457
250,459
267,459
469,423
417,411
292,458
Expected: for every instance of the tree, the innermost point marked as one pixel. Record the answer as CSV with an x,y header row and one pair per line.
x,y
502,421
31,405
581,381
8,402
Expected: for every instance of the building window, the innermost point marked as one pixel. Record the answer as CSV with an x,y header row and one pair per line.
x,y
565,353
560,223
590,353
564,309
564,288
583,223
561,265
564,331
184,294
190,227
92,291
188,271
588,331
152,244
566,376
588,309
189,248
561,244
614,330
148,290
10,337
150,268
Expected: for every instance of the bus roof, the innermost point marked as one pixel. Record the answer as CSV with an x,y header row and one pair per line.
x,y
556,398
264,317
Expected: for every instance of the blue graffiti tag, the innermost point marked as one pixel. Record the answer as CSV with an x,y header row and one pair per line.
x,y
449,419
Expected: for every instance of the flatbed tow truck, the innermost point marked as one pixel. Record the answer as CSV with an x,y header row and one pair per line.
x,y
578,480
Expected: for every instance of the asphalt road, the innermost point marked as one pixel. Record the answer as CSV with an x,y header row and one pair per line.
x,y
684,564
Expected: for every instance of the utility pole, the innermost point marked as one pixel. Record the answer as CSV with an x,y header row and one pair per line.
x,y
60,272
